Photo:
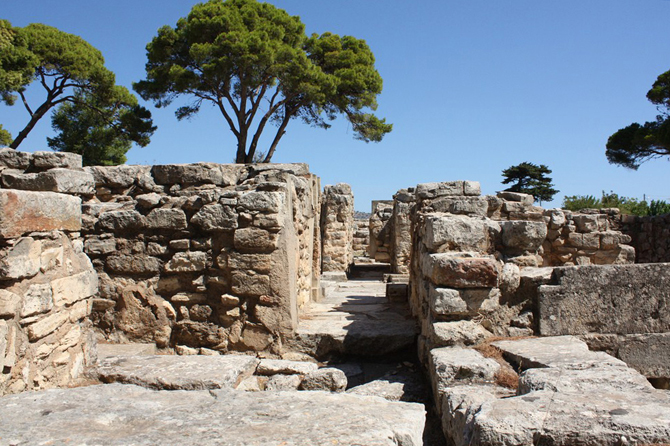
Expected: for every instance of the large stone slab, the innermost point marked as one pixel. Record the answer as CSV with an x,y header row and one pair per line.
x,y
451,364
66,181
557,351
124,414
177,372
565,419
460,270
456,233
622,299
24,211
646,353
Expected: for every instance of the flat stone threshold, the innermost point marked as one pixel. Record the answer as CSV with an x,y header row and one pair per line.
x,y
122,414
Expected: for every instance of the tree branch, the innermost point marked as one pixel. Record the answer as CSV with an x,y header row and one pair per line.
x,y
25,103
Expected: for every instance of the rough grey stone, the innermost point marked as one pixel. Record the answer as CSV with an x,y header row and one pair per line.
x,y
434,190
460,270
65,181
604,418
21,260
133,264
215,217
327,378
190,261
523,236
284,367
116,414
474,206
121,221
38,299
199,173
166,219
50,160
9,304
646,353
14,159
525,199
268,202
117,176
606,299
177,372
557,351
451,364
283,382
455,233
595,379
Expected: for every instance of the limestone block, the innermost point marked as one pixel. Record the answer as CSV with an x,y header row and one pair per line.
x,y
21,260
9,304
525,199
461,205
446,301
256,338
190,261
268,202
606,299
434,190
451,364
199,173
80,310
282,366
598,379
166,219
122,176
261,263
455,233
25,211
456,333
646,353
14,159
586,223
255,240
522,236
283,382
189,298
326,378
244,284
612,239
50,160
133,264
121,221
180,245
64,181
45,326
37,300
215,217
97,246
4,332
148,201
207,418
556,218
566,352
472,188
178,372
71,289
460,270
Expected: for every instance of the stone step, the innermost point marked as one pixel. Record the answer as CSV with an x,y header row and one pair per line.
x,y
122,414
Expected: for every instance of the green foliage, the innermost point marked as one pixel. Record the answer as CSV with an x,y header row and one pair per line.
x,y
254,62
74,78
627,206
637,143
99,131
5,137
532,179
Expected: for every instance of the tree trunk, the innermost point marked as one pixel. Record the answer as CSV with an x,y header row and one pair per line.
x,y
39,113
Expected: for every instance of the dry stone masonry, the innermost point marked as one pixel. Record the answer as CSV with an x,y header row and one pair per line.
x,y
379,248
46,281
204,256
337,227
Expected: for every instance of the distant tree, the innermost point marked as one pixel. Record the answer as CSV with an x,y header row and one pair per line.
x,y
633,145
627,205
5,137
532,179
101,133
71,72
254,63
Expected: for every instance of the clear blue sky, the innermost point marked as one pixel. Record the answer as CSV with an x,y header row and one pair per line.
x,y
471,86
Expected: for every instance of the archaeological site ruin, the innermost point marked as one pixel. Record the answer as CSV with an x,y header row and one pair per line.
x,y
248,305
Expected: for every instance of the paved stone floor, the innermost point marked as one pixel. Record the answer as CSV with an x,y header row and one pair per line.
x,y
356,318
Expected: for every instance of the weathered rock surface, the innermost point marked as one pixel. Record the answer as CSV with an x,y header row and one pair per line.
x,y
327,378
556,351
119,414
606,299
177,372
24,211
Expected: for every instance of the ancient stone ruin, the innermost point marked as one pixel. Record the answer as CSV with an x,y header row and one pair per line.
x,y
244,302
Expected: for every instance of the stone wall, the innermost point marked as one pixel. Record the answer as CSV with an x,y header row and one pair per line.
x,y
380,231
401,230
46,281
337,228
650,236
622,309
205,256
361,238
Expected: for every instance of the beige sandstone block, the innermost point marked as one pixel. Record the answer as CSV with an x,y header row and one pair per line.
x,y
68,290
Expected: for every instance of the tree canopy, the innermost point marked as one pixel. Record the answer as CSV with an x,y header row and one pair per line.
x,y
637,143
255,64
73,76
529,178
